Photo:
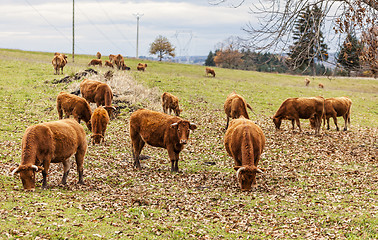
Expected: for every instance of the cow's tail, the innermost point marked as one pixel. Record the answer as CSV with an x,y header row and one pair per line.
x,y
249,106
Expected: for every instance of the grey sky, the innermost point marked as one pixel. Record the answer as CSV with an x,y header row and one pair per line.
x,y
110,26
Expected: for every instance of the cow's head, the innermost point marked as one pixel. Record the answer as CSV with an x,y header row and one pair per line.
x,y
110,110
27,175
96,138
89,125
246,176
178,111
182,128
277,121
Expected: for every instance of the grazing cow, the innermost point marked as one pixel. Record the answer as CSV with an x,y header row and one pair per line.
x,y
112,58
321,85
335,107
307,82
71,104
51,142
236,106
295,108
141,66
99,93
58,62
98,55
99,120
244,142
108,64
159,130
210,71
170,103
95,62
119,61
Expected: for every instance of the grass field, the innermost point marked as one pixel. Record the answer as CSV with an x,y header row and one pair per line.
x,y
315,187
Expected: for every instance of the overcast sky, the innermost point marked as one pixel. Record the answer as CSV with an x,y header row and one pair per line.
x,y
193,27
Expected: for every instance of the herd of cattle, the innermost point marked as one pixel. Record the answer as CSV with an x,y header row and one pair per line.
x,y
244,141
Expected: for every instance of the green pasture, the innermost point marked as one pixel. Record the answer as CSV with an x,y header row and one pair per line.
x,y
315,187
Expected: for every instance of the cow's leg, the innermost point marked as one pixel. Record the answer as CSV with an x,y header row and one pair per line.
x,y
66,170
174,157
79,157
137,145
345,122
328,124
335,122
299,124
292,123
46,159
60,111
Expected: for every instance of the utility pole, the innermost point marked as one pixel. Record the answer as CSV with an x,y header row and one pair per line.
x,y
138,16
73,30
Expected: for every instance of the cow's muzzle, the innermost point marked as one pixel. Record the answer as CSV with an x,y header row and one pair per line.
x,y
183,141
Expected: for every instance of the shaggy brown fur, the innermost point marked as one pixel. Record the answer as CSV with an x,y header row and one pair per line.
x,y
295,108
76,106
333,108
235,106
58,62
119,61
51,142
99,120
108,64
210,71
98,55
244,141
159,130
99,93
141,66
95,62
112,58
321,85
170,103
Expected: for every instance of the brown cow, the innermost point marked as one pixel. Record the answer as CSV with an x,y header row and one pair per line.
x,y
295,108
321,85
119,61
333,108
58,62
159,130
170,102
99,120
141,66
97,92
210,71
98,55
244,142
51,142
112,58
108,64
236,106
307,82
95,62
71,104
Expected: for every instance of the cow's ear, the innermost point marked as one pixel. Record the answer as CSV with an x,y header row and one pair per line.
x,y
174,125
192,126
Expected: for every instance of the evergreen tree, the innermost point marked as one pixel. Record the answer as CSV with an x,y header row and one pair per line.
x,y
349,55
210,59
308,40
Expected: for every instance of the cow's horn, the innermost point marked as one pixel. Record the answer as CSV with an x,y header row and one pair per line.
x,y
259,170
35,167
238,172
14,171
174,124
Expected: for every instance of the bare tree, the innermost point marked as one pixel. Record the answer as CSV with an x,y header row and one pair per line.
x,y
276,19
